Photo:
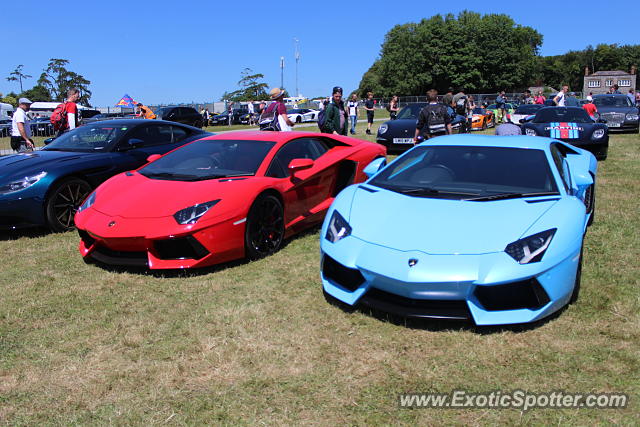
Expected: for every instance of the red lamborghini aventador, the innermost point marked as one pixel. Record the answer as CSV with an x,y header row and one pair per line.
x,y
219,198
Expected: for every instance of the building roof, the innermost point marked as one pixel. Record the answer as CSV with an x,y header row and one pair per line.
x,y
610,73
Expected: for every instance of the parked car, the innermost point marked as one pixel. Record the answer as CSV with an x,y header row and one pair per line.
x,y
186,115
523,111
47,186
232,195
618,111
572,125
107,116
482,119
397,135
5,128
239,116
460,259
300,115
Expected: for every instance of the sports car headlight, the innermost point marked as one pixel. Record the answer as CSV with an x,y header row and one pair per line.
x,y
597,134
383,128
532,248
88,202
338,228
530,132
192,214
632,117
21,184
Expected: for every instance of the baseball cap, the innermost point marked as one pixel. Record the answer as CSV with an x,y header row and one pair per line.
x,y
24,101
336,89
589,98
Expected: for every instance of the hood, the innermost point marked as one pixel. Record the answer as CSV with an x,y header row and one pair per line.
x,y
565,130
399,127
132,195
614,109
438,226
26,163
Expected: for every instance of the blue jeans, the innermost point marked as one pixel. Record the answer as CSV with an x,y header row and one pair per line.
x,y
353,120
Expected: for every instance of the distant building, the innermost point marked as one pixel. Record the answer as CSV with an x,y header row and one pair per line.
x,y
601,81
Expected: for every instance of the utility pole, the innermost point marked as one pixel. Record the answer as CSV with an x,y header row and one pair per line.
x,y
282,72
297,56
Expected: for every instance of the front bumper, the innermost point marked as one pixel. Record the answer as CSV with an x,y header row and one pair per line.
x,y
158,243
490,289
393,147
20,211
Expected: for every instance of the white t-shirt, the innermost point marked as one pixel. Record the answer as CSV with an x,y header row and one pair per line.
x,y
560,97
250,107
20,116
352,107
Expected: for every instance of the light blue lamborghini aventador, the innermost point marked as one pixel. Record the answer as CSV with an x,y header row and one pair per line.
x,y
483,228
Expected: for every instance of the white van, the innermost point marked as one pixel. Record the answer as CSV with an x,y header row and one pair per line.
x,y
6,111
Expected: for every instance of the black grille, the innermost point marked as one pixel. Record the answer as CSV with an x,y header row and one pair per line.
x,y
347,278
512,296
409,307
109,256
86,238
180,248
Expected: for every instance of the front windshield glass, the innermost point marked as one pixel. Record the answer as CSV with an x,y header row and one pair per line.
x,y
411,111
479,110
88,138
469,172
612,101
528,109
210,159
161,112
562,115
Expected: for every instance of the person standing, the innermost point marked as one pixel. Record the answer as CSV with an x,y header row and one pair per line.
x,y
433,119
145,112
501,102
352,107
631,97
230,113
368,105
251,112
70,111
539,99
447,99
638,98
279,109
615,90
335,114
393,107
21,128
571,100
590,107
461,107
471,106
560,98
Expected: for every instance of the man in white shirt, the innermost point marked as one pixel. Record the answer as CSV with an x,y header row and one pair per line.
x,y
352,106
251,112
21,128
561,96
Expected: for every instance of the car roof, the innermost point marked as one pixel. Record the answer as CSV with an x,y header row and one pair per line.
x,y
516,141
604,95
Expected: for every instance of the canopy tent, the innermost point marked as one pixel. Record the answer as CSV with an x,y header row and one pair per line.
x,y
127,102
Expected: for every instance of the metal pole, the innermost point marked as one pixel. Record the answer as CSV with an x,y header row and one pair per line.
x,y
282,72
297,56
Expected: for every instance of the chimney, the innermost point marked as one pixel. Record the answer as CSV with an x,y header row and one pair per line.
x,y
633,69
586,71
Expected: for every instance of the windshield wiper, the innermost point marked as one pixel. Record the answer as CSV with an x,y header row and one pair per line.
x,y
503,196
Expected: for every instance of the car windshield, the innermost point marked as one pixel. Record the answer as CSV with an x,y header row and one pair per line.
x,y
88,138
469,172
562,115
210,159
161,111
528,109
479,110
296,111
411,111
612,101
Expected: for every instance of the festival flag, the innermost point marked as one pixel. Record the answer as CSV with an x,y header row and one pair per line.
x,y
126,101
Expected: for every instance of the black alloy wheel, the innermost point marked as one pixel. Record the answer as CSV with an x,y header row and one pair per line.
x,y
63,202
264,230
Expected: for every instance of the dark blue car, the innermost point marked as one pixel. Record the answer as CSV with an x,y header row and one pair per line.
x,y
45,187
572,125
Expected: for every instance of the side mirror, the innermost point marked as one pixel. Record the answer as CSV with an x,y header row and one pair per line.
x,y
135,142
153,157
373,167
48,141
299,164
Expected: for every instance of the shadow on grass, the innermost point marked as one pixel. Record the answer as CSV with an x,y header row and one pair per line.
x,y
22,233
196,271
440,325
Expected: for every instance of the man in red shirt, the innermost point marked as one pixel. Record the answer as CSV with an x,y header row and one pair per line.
x,y
590,108
71,109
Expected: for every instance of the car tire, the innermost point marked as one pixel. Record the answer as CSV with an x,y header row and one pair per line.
x,y
63,202
264,229
576,286
299,119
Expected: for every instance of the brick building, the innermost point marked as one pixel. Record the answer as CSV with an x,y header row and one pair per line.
x,y
601,81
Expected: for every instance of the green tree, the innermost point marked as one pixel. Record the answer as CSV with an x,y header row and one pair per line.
x,y
479,52
17,76
57,80
10,98
250,87
37,93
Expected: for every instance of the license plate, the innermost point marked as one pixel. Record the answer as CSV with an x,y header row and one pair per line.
x,y
614,125
403,140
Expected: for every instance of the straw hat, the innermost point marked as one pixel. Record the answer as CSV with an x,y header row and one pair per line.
x,y
276,93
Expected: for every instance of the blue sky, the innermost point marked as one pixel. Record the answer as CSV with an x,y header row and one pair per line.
x,y
158,52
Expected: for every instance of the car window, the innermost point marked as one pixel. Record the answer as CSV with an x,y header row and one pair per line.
x,y
152,135
303,148
178,133
558,161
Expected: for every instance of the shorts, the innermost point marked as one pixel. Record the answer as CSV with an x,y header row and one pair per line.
x,y
369,116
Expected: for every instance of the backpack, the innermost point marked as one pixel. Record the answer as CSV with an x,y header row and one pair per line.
x,y
269,118
461,105
435,114
389,107
322,118
59,117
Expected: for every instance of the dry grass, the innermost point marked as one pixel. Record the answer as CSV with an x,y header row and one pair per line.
x,y
256,343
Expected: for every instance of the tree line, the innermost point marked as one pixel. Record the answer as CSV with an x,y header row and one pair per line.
x,y
52,85
483,53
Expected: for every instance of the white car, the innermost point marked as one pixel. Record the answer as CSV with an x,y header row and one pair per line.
x,y
300,115
523,111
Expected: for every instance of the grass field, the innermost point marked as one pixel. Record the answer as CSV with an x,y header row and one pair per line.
x,y
256,343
